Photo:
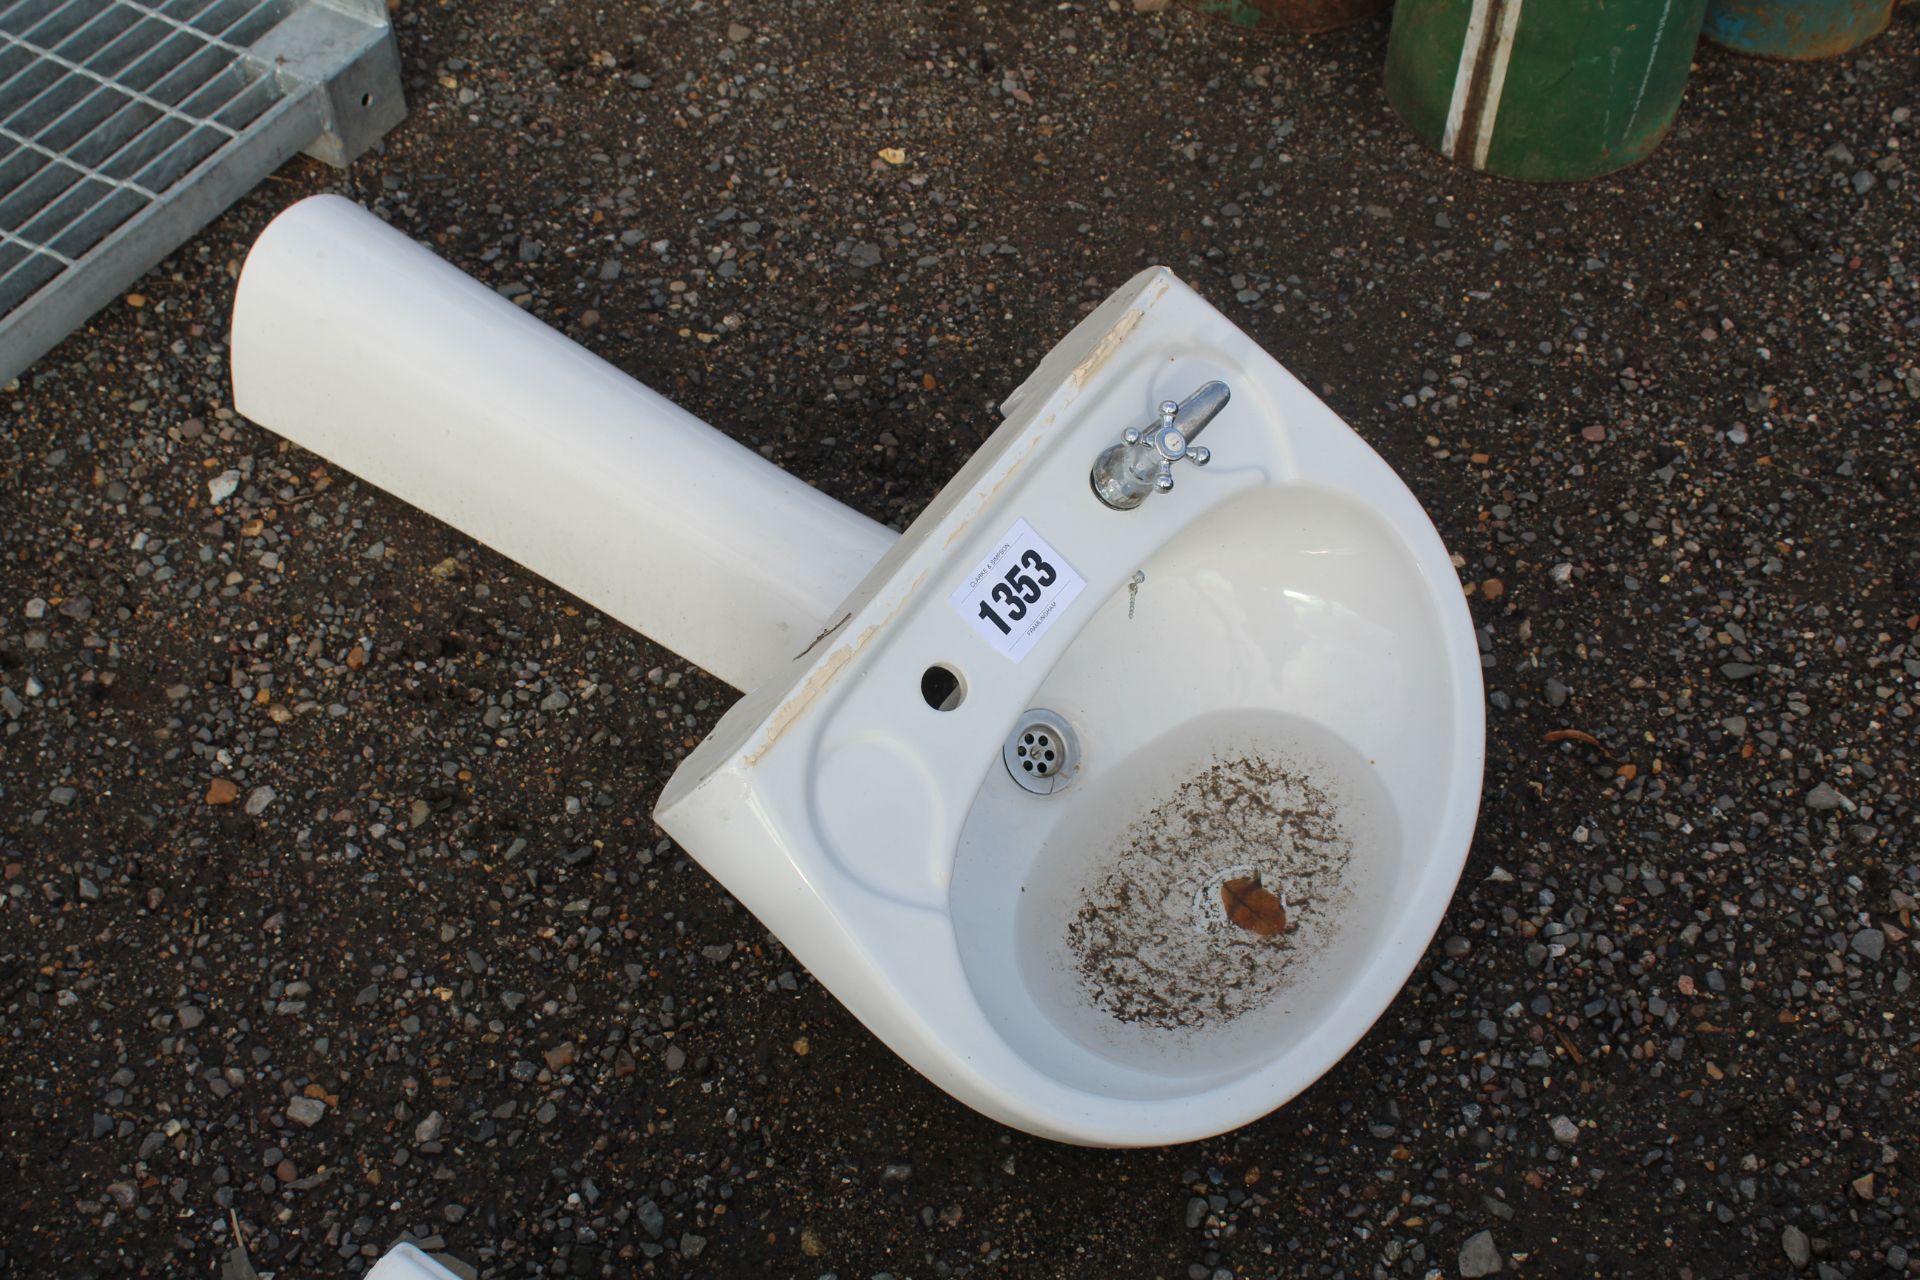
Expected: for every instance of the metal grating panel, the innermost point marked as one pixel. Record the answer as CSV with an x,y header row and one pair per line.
x,y
126,125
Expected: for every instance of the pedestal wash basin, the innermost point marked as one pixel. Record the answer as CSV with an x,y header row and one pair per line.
x,y
1120,825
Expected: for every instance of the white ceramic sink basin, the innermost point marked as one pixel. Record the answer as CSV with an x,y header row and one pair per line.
x,y
1090,922
1289,695
1268,677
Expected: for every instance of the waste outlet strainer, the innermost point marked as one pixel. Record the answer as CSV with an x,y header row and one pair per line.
x,y
1043,754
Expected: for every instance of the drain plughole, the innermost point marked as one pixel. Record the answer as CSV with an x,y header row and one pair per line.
x,y
1042,753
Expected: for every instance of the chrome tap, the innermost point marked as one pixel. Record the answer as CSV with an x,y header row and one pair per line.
x,y
1124,474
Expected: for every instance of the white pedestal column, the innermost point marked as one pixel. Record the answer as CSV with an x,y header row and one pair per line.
x,y
354,342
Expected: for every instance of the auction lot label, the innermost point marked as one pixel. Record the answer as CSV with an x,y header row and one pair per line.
x,y
1016,593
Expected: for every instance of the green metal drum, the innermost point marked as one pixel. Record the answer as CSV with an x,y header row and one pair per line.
x,y
1541,90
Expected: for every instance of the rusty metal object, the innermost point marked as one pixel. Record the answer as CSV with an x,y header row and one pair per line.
x,y
1290,15
1796,30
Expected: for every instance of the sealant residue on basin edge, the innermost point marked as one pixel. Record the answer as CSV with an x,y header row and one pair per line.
x,y
1127,943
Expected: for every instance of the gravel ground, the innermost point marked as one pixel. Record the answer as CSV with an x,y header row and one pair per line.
x,y
331,912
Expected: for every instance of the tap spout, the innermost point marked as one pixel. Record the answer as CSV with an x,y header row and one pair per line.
x,y
1142,463
1201,408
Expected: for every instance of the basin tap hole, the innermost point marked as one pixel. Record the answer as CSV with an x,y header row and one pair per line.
x,y
942,687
